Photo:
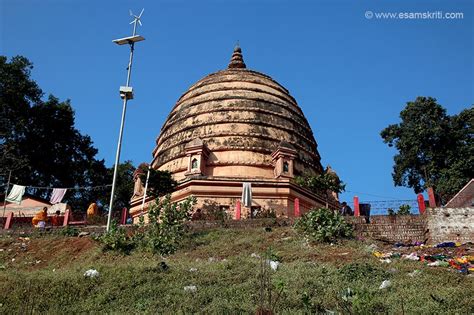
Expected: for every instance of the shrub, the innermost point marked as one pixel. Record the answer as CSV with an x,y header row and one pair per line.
x,y
265,213
212,211
390,211
116,239
404,210
69,231
166,227
324,225
161,235
360,271
269,291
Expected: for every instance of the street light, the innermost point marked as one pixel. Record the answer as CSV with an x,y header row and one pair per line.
x,y
126,93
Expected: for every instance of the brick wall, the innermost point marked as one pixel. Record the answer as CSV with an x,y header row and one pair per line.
x,y
391,228
451,224
438,225
240,224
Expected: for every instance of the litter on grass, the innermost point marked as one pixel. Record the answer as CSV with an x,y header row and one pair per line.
x,y
385,284
447,254
412,256
414,273
274,264
91,273
190,288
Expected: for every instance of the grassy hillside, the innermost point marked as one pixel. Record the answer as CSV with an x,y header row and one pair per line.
x,y
46,275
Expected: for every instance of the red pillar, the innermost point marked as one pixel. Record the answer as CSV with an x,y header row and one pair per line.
x,y
431,197
123,219
421,203
356,206
67,217
297,207
237,210
8,223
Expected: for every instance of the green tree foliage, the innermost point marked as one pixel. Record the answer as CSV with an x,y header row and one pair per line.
x,y
321,183
160,183
123,186
39,141
434,149
404,210
323,225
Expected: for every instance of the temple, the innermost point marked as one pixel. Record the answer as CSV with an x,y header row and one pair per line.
x,y
232,127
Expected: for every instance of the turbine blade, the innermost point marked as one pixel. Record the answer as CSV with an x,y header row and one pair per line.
x,y
131,14
139,22
141,13
132,22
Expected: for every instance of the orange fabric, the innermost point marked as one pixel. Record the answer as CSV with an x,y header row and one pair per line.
x,y
56,220
92,210
40,216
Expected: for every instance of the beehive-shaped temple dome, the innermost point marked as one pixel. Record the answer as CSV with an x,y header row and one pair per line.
x,y
241,116
235,140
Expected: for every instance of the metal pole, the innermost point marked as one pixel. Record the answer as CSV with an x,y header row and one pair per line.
x,y
146,187
119,145
6,191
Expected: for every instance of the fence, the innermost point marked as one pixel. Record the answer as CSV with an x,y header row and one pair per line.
x,y
381,207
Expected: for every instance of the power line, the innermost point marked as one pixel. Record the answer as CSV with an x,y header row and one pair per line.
x,y
378,196
68,188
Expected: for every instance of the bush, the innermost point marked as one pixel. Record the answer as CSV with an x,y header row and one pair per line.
x,y
69,231
265,213
404,210
166,227
324,225
359,271
116,239
161,235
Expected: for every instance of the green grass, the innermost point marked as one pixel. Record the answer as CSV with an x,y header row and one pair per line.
x,y
314,278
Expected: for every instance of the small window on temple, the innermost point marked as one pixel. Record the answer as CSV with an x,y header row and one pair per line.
x,y
286,167
194,164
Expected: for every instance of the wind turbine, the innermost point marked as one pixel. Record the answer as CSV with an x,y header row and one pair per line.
x,y
136,20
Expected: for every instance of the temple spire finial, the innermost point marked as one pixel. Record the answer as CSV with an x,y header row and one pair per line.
x,y
237,60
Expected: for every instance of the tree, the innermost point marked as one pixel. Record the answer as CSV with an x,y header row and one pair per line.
x,y
160,183
322,184
434,149
123,186
17,92
39,140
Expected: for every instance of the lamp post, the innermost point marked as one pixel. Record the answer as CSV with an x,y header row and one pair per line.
x,y
126,93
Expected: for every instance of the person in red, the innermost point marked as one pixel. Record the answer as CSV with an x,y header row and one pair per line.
x,y
56,219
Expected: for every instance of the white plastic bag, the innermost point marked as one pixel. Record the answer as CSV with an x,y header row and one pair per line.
x,y
190,288
274,264
385,284
91,273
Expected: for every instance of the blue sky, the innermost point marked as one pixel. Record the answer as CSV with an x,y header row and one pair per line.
x,y
351,75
